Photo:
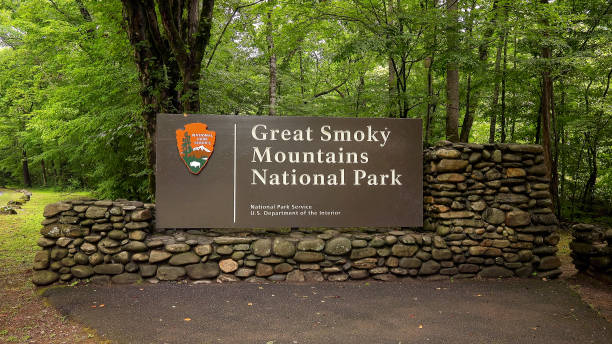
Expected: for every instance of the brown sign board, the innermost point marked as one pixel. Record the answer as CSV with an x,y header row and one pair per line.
x,y
265,172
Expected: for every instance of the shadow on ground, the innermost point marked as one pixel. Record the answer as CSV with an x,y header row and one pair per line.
x,y
466,311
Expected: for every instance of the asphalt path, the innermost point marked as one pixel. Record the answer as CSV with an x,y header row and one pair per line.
x,y
465,311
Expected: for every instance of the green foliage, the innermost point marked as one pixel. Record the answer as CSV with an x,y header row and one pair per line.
x,y
69,87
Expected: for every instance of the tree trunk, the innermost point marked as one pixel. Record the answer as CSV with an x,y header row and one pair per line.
x,y
272,81
495,101
27,180
44,172
393,91
452,75
430,103
503,93
546,111
468,119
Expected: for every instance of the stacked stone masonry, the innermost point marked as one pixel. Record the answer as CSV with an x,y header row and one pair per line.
x,y
486,215
591,250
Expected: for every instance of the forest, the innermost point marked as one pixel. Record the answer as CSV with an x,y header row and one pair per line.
x,y
81,81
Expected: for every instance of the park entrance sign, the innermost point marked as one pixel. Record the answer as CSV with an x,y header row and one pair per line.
x,y
259,171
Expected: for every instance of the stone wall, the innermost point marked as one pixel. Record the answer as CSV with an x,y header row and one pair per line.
x,y
486,215
490,204
591,250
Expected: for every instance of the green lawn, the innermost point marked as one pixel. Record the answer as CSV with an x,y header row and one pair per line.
x,y
18,233
8,195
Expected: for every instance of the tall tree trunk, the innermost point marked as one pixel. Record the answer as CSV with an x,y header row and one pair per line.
x,y
546,109
272,65
393,91
495,100
468,119
452,75
430,94
503,92
44,172
27,180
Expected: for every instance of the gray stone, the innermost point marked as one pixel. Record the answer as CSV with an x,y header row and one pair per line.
x,y
494,216
338,246
58,253
96,212
337,277
400,250
448,165
410,263
495,272
262,247
126,278
430,267
121,257
56,208
549,263
41,260
469,268
365,263
203,250
45,242
81,258
441,254
224,250
102,227
184,258
295,276
446,153
511,198
201,271
170,273
177,248
136,225
147,270
81,271
44,277
308,257
311,244
263,270
138,235
141,215
157,256
96,258
283,268
313,276
224,240
496,156
359,253
283,248
117,235
358,274
518,218
135,246
244,272
108,269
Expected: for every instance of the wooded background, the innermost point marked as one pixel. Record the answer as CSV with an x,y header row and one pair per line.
x,y
82,80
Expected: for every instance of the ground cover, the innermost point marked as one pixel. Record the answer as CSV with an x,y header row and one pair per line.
x,y
25,317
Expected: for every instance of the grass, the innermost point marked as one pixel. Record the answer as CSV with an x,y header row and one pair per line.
x,y
18,233
8,195
24,316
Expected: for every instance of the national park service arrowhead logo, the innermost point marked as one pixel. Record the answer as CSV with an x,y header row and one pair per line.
x,y
195,145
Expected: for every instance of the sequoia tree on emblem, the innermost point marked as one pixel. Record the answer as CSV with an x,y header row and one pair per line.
x,y
195,145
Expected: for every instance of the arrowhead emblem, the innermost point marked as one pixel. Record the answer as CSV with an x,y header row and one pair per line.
x,y
195,145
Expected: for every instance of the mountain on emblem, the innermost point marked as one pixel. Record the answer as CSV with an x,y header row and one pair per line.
x,y
195,145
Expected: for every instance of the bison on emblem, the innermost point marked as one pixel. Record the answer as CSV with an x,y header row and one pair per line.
x,y
195,145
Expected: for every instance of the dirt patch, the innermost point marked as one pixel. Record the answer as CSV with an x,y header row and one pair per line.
x,y
25,317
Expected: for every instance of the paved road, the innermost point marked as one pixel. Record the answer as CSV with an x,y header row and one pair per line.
x,y
467,311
